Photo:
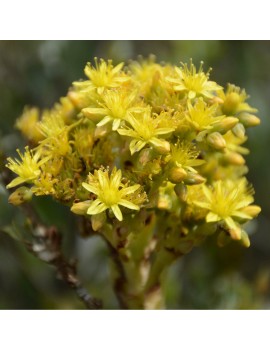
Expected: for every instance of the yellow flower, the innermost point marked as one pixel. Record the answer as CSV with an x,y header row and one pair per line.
x,y
193,82
146,130
110,192
184,155
149,75
28,169
234,144
229,201
28,123
201,116
83,142
117,107
44,185
104,75
52,124
66,108
55,131
234,100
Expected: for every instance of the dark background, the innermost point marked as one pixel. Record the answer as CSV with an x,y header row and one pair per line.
x,y
39,73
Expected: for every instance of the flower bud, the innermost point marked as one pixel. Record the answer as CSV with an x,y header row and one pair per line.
x,y
249,120
80,208
98,221
234,158
20,196
231,103
223,239
185,246
100,132
194,179
205,229
239,131
181,191
89,113
163,147
217,100
145,156
216,141
164,202
225,125
177,174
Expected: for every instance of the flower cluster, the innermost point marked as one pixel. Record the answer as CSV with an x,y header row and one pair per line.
x,y
144,139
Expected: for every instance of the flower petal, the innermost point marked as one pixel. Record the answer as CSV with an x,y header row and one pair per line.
x,y
212,217
202,204
16,182
91,111
129,190
230,223
103,179
161,131
93,189
116,124
136,145
127,132
208,193
117,212
96,207
128,204
117,68
241,215
104,121
116,179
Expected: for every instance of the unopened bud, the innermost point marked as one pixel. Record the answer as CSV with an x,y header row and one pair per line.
x,y
20,196
231,103
163,147
164,202
145,156
194,179
177,174
252,210
205,229
76,99
98,221
91,114
216,141
223,239
100,132
185,246
249,120
80,208
181,191
217,100
245,239
239,131
225,125
234,158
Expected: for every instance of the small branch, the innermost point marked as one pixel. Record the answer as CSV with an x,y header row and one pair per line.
x,y
46,246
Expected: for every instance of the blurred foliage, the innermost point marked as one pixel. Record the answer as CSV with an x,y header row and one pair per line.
x,y
39,73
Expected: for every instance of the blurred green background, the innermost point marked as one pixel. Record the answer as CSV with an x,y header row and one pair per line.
x,y
39,73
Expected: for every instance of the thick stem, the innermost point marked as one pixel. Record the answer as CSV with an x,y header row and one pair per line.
x,y
137,284
119,277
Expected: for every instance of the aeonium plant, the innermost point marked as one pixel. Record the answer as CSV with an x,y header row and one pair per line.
x,y
150,157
